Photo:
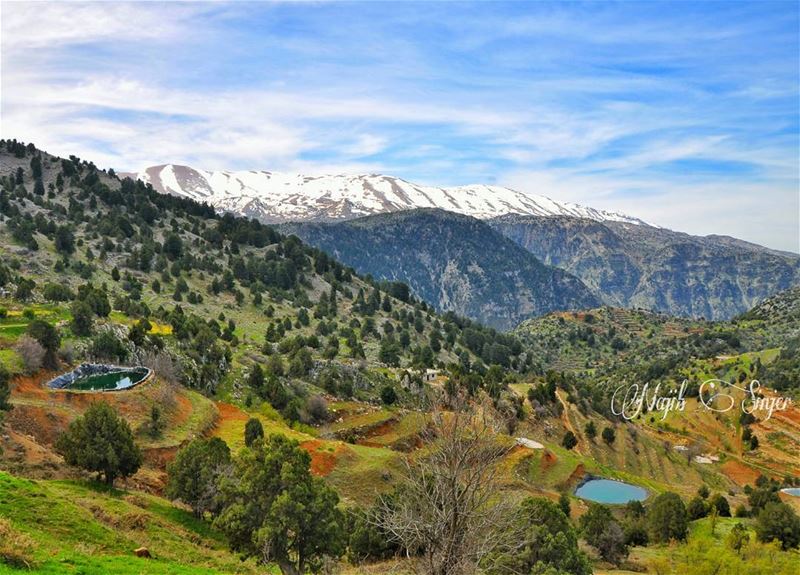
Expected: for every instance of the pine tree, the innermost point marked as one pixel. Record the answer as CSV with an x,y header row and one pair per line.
x,y
36,167
256,379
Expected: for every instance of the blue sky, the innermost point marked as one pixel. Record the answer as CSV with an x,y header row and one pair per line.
x,y
685,114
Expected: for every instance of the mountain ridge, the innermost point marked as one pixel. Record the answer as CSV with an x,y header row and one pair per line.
x,y
713,277
277,197
622,265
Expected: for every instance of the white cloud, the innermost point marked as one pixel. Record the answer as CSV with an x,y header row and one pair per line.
x,y
27,25
568,116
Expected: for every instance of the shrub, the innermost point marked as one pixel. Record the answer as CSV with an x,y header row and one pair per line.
x,y
759,498
564,503
569,441
738,537
317,408
155,424
636,533
57,292
388,395
696,509
107,346
66,353
778,521
548,543
667,519
167,368
194,473
82,318
609,435
721,504
253,430
102,442
602,532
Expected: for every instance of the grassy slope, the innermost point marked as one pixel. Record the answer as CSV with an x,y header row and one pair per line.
x,y
73,528
705,552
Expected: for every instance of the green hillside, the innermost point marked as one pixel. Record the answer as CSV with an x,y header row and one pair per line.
x,y
253,337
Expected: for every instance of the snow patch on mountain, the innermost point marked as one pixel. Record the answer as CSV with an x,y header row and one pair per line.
x,y
274,197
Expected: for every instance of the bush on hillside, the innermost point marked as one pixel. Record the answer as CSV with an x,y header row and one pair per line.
x,y
100,441
667,518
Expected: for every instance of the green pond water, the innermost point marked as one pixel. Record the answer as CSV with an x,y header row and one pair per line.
x,y
109,381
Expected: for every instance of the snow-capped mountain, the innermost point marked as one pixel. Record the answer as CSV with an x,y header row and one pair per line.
x,y
274,197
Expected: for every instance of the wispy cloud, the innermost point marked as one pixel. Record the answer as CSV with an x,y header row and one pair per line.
x,y
684,114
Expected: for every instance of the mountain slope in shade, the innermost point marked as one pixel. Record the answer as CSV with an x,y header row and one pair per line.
x,y
715,277
274,197
456,262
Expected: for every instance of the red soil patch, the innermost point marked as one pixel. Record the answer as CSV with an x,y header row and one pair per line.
x,y
33,386
577,474
322,462
19,446
35,422
792,415
371,444
382,429
158,457
739,473
548,459
228,412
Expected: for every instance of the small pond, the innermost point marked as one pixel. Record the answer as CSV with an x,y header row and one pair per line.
x,y
795,491
95,377
108,381
611,492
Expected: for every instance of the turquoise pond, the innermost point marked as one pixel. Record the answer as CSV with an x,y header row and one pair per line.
x,y
795,491
109,381
608,491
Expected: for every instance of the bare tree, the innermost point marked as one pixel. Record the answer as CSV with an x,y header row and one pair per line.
x,y
163,364
448,514
31,352
168,372
317,409
66,352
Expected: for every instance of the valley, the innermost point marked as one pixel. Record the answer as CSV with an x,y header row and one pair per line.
x,y
256,338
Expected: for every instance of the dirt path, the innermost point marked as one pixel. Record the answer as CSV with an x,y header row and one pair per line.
x,y
568,424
